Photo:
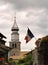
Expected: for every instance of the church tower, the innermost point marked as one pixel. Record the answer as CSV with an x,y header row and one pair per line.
x,y
15,43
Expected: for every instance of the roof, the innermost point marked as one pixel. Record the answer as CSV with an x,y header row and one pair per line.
x,y
21,55
2,41
2,36
44,38
5,47
30,52
15,27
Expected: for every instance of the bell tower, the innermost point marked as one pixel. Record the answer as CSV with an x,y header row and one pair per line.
x,y
15,43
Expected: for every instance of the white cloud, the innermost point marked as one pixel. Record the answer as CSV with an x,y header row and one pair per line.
x,y
23,4
29,13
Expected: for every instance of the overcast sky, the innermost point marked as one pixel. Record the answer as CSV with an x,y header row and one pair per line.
x,y
31,13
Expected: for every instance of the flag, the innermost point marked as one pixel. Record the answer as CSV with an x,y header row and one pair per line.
x,y
29,36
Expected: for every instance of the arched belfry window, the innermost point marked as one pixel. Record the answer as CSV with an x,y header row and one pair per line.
x,y
12,45
15,45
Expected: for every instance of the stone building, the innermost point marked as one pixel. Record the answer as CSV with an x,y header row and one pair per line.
x,y
3,50
16,52
40,53
35,56
15,43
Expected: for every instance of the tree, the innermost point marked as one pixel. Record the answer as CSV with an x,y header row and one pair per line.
x,y
12,62
27,60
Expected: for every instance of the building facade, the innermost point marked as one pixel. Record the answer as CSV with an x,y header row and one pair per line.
x,y
3,50
40,53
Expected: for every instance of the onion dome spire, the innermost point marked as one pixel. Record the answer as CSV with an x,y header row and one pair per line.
x,y
15,27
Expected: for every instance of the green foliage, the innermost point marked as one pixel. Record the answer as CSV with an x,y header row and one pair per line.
x,y
21,61
12,62
26,61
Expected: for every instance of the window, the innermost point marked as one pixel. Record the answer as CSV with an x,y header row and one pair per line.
x,y
15,45
12,45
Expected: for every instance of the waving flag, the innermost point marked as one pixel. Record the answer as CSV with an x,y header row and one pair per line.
x,y
29,36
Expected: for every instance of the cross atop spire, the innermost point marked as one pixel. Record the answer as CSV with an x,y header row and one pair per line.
x,y
15,27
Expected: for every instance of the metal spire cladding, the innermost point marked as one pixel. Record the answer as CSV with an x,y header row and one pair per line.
x,y
15,26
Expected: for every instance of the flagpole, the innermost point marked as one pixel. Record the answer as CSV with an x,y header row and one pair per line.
x,y
31,54
35,38
29,36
